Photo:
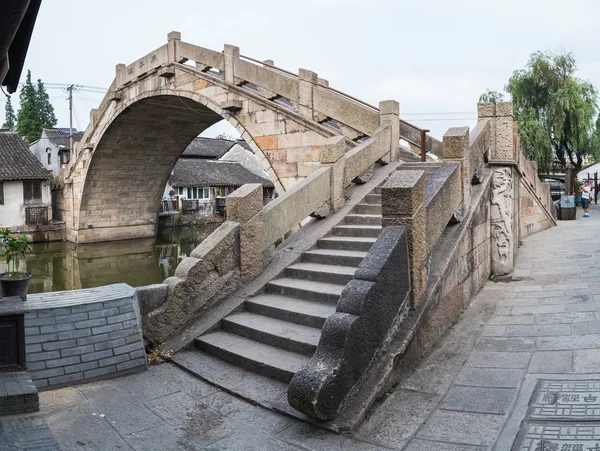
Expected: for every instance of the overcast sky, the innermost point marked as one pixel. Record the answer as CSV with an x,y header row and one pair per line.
x,y
434,56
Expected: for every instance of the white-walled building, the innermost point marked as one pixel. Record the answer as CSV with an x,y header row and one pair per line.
x,y
53,148
25,197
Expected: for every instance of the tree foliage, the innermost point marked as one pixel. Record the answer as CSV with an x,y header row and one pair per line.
x,y
36,111
10,118
491,96
556,111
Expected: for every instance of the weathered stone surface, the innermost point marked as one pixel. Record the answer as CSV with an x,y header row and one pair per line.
x,y
456,143
210,274
370,309
365,176
151,297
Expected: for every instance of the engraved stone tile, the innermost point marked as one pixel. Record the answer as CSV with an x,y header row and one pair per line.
x,y
558,437
566,400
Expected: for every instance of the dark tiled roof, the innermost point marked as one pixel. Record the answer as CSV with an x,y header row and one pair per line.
x,y
17,162
209,148
200,172
61,138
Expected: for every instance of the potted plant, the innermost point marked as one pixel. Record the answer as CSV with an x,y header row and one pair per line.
x,y
13,282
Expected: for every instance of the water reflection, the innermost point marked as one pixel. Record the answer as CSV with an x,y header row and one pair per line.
x,y
60,266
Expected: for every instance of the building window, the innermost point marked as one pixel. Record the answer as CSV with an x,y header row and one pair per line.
x,y
198,193
1,193
49,159
32,191
65,156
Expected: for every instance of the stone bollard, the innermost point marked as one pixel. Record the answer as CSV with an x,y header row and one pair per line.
x,y
172,37
403,204
244,206
330,154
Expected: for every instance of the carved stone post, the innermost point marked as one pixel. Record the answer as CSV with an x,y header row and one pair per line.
x,y
389,114
172,39
245,207
455,148
504,196
231,57
307,80
330,154
403,204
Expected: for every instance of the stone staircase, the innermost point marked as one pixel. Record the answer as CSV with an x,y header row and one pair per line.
x,y
276,332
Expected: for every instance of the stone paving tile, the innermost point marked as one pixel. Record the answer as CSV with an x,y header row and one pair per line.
x,y
184,381
249,440
551,362
487,359
427,445
493,331
69,395
163,438
517,302
127,414
586,361
462,428
586,328
537,310
567,318
583,307
397,418
538,330
244,412
312,438
495,378
505,344
568,342
504,320
479,399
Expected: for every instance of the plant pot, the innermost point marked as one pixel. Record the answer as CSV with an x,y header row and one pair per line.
x,y
16,285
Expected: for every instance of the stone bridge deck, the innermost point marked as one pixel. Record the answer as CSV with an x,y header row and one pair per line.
x,y
471,393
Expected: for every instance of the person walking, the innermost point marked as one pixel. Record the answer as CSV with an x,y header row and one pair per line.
x,y
585,199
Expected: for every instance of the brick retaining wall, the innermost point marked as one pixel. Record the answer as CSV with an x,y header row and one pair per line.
x,y
72,336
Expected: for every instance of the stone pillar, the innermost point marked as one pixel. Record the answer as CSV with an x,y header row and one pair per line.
x,y
455,148
172,39
488,111
504,197
307,80
245,207
331,154
231,57
119,75
389,114
403,204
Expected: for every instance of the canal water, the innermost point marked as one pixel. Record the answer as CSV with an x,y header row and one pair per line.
x,y
57,266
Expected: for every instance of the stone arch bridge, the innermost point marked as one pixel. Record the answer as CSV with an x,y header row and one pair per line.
x,y
155,107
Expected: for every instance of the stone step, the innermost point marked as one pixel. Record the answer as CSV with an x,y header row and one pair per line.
x,y
251,355
334,257
357,230
363,219
373,198
347,243
376,190
297,311
321,273
274,332
326,293
18,394
367,209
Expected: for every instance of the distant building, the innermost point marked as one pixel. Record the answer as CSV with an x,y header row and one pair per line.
x,y
24,185
53,148
209,170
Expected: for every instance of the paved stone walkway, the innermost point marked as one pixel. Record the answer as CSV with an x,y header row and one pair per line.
x,y
471,393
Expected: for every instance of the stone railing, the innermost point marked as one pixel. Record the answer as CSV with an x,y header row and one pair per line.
x,y
368,315
240,248
306,92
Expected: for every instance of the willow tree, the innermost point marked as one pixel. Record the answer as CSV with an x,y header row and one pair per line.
x,y
557,112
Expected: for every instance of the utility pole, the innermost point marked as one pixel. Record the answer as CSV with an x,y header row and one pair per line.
x,y
70,91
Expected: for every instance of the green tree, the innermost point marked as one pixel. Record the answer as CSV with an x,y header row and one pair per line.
x,y
556,111
10,118
491,96
36,112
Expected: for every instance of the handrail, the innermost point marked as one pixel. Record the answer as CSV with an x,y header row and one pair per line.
x,y
269,65
422,145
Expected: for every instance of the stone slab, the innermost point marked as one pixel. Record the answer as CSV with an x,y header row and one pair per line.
x,y
494,378
479,400
547,362
558,436
572,400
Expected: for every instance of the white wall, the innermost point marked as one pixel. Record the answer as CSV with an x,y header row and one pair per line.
x,y
39,149
12,213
